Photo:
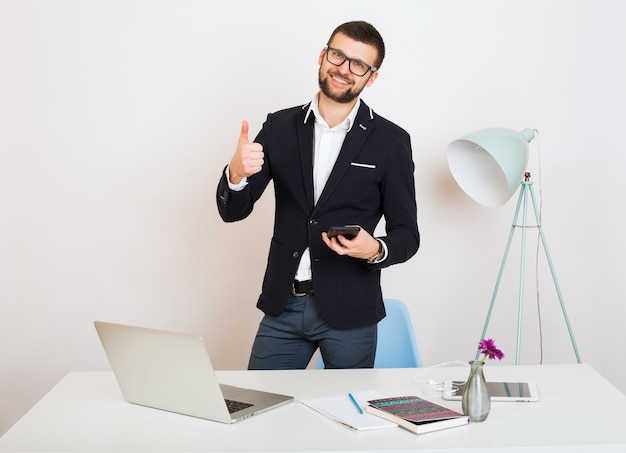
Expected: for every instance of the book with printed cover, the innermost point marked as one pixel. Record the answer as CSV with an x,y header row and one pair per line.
x,y
416,414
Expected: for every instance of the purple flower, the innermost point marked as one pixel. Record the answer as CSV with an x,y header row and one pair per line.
x,y
489,350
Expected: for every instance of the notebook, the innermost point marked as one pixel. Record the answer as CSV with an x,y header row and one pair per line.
x,y
172,371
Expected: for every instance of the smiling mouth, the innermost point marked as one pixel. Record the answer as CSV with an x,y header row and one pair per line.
x,y
340,80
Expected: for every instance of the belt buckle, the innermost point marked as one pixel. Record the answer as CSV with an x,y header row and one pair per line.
x,y
294,293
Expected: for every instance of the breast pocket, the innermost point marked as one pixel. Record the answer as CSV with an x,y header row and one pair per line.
x,y
361,181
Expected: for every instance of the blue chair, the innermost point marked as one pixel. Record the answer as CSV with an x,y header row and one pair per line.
x,y
396,347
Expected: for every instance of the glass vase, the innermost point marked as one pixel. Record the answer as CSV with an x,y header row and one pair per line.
x,y
476,401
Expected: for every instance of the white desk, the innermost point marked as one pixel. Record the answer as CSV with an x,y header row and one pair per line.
x,y
85,412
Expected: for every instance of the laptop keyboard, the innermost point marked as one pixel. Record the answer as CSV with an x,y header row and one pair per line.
x,y
234,406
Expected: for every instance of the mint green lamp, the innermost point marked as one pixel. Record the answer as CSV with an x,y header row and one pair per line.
x,y
490,165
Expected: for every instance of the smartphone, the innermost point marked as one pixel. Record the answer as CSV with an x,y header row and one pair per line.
x,y
499,391
349,231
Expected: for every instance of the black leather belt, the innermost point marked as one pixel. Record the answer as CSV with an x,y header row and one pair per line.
x,y
302,288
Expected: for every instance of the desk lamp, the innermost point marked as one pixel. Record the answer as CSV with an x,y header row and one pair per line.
x,y
490,165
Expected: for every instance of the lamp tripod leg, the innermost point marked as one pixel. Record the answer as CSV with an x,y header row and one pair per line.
x,y
554,279
526,186
501,271
520,309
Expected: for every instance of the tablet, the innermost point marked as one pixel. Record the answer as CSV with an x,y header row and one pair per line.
x,y
522,391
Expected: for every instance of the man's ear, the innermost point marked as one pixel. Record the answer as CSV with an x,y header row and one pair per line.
x,y
372,78
320,60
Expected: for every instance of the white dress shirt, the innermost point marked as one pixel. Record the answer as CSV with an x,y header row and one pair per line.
x,y
326,146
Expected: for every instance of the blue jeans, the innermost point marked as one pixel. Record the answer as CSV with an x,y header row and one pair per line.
x,y
288,341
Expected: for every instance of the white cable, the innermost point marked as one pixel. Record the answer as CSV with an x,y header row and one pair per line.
x,y
432,387
540,220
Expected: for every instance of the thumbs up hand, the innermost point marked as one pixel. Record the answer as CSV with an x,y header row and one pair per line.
x,y
248,158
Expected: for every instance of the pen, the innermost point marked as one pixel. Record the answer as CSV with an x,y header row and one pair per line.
x,y
355,403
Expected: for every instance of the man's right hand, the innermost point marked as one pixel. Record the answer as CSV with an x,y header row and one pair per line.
x,y
248,158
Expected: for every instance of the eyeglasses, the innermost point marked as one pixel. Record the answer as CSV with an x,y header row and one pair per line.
x,y
357,67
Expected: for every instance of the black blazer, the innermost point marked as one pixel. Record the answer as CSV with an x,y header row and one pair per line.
x,y
373,176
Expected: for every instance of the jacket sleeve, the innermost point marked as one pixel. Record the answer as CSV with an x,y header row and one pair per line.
x,y
234,205
399,204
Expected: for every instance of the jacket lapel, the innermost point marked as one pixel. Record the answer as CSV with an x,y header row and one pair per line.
x,y
305,133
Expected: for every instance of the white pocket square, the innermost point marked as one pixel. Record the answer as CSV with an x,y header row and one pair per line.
x,y
357,164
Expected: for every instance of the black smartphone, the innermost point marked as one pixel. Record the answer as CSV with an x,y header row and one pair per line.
x,y
348,231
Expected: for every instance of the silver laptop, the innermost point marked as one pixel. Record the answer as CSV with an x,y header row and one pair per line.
x,y
172,371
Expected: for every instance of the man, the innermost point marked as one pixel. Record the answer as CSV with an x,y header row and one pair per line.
x,y
334,162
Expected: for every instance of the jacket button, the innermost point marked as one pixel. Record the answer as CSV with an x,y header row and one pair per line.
x,y
296,254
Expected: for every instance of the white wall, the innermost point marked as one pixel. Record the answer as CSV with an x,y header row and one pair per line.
x,y
116,118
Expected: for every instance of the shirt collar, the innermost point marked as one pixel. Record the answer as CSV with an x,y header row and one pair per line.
x,y
314,107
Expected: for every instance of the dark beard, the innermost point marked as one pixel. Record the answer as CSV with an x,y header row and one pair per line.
x,y
344,98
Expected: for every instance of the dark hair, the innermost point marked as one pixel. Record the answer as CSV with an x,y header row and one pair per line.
x,y
363,32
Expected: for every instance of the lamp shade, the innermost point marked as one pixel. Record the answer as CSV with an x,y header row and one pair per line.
x,y
489,164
